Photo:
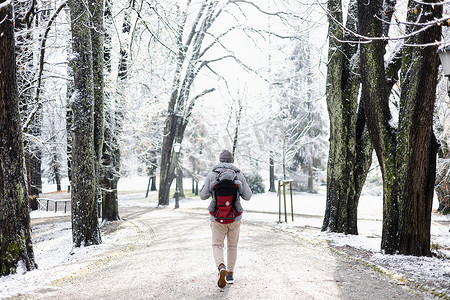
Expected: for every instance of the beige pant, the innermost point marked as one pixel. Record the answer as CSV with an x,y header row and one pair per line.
x,y
219,232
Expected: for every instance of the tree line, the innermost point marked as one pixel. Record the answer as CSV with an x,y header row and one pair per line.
x,y
107,44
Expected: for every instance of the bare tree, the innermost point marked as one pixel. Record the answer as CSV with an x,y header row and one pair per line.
x,y
295,126
24,21
189,62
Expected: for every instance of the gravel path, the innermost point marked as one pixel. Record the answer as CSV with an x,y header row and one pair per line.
x,y
166,254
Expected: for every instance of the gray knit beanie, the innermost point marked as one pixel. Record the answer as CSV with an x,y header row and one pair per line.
x,y
226,156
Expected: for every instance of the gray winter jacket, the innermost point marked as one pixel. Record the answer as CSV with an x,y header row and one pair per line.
x,y
244,190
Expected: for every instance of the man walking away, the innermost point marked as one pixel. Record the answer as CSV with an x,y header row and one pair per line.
x,y
227,185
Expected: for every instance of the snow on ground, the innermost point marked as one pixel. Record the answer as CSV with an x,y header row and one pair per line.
x,y
308,211
56,258
432,273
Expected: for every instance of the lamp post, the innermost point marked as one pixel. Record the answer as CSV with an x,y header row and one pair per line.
x,y
444,56
176,149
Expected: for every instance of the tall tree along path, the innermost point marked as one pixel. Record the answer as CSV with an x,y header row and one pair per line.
x,y
166,254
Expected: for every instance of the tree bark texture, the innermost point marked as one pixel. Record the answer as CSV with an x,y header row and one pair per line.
x,y
97,36
350,150
407,154
15,232
416,143
378,115
85,229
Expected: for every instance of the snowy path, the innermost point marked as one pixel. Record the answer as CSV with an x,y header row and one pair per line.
x,y
166,254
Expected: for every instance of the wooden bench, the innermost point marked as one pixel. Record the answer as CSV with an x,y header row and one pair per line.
x,y
43,203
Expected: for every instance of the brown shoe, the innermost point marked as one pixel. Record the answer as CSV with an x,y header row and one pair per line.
x,y
222,274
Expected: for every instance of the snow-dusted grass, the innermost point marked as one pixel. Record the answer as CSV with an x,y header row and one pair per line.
x,y
56,258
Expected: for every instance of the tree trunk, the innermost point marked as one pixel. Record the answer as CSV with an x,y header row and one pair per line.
x,y
378,115
113,130
153,174
97,36
69,123
343,181
416,144
443,180
310,176
271,173
15,232
406,155
85,229
110,208
167,166
57,173
110,174
35,156
334,96
236,112
180,183
110,168
175,135
151,171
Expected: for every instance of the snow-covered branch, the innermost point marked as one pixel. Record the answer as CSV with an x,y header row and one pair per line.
x,y
5,4
194,99
423,27
277,14
41,64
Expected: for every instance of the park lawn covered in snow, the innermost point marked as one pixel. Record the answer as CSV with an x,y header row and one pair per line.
x,y
57,259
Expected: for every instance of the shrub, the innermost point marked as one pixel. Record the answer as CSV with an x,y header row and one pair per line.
x,y
255,182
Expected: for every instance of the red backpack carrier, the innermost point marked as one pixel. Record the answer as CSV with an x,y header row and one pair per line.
x,y
225,192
